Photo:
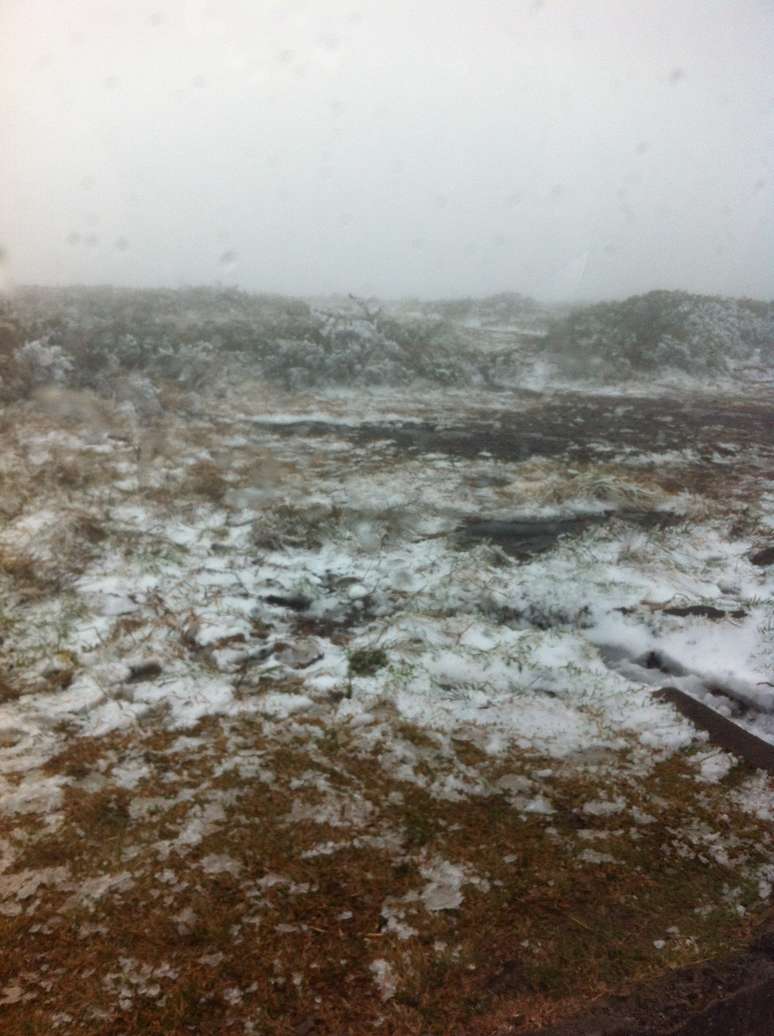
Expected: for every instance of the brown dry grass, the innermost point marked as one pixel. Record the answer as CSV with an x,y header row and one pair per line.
x,y
548,934
8,690
204,479
60,554
20,565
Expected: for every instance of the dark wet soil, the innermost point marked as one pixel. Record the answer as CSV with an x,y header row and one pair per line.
x,y
523,538
733,997
763,557
704,611
580,426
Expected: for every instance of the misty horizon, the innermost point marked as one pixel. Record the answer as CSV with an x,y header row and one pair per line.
x,y
344,295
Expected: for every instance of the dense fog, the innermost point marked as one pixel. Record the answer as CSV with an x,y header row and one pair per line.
x,y
564,149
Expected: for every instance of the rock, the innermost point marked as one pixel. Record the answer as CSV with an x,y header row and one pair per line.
x,y
704,611
763,557
514,783
300,654
112,605
305,1027
58,677
7,691
297,603
144,671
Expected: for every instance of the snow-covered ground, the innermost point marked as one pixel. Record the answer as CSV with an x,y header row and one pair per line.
x,y
366,536
234,567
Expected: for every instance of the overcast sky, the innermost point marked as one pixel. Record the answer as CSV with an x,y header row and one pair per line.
x,y
563,148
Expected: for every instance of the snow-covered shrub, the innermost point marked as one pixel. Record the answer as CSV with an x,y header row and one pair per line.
x,y
10,378
205,479
190,364
663,330
285,525
42,364
138,391
199,338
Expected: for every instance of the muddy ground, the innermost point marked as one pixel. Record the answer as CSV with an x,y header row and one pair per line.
x,y
578,426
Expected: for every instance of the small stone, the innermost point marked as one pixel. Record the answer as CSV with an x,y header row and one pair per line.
x,y
296,603
7,691
763,557
58,677
185,920
144,671
10,737
514,783
12,994
704,611
300,654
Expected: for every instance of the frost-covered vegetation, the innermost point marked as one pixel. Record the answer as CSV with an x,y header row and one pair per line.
x,y
698,335
100,334
133,345
505,309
